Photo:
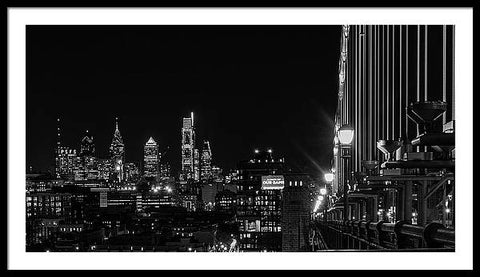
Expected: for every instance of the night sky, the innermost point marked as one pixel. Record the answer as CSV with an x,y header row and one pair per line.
x,y
249,87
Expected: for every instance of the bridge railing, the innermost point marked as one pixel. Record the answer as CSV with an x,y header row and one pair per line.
x,y
386,236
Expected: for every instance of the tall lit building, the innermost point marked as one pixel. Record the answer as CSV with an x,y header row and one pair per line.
x,y
87,163
165,170
117,154
104,169
206,162
196,165
188,149
65,158
132,173
87,147
150,159
65,162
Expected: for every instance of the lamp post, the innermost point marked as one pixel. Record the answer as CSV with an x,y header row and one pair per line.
x,y
345,137
329,176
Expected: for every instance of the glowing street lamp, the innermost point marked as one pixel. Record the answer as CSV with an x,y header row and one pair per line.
x,y
345,134
323,191
345,137
329,177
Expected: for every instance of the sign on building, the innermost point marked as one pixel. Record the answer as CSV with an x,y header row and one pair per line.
x,y
273,182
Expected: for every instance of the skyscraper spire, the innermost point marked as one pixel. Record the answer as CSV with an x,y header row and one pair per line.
x,y
117,152
117,137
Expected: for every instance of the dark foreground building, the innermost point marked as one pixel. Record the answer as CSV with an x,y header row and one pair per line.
x,y
296,215
274,205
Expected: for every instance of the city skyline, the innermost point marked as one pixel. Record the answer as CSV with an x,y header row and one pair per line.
x,y
386,144
274,119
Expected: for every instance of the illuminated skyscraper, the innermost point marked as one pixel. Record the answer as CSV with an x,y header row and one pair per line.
x,y
150,159
65,158
117,154
65,162
188,149
165,170
131,172
196,165
206,162
87,163
87,147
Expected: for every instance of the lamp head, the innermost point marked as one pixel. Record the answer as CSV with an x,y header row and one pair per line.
x,y
345,134
329,177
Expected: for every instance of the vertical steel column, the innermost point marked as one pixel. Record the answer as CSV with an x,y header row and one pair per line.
x,y
400,106
426,71
383,116
453,72
377,89
422,203
393,83
346,156
406,80
418,75
364,99
444,70
407,196
400,203
426,63
371,124
388,82
356,103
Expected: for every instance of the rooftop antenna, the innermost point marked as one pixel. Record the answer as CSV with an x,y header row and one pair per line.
x,y
192,117
58,132
116,123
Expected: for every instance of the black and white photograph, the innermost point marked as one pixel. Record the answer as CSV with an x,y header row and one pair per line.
x,y
248,139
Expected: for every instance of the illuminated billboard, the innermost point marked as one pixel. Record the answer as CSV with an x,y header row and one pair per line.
x,y
273,182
